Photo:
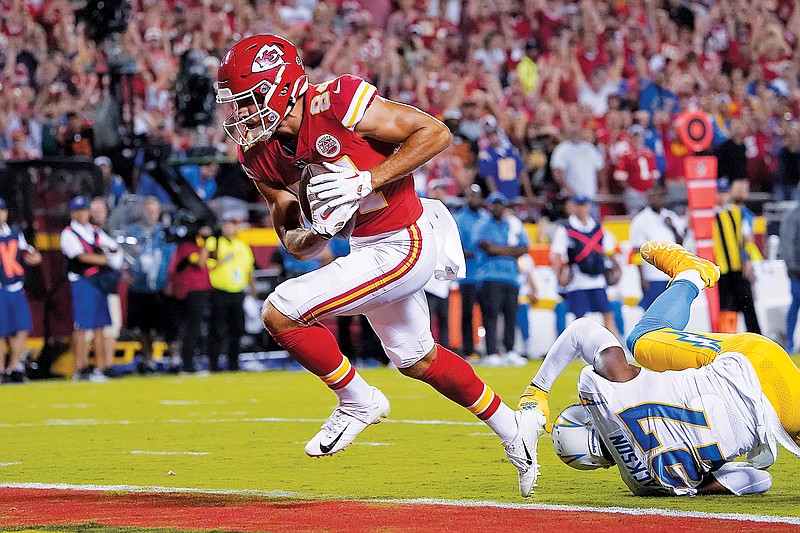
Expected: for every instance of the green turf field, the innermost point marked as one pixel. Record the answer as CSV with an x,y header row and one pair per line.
x,y
210,431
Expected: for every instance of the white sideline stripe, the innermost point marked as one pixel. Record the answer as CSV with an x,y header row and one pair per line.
x,y
11,464
154,489
739,517
142,452
96,422
179,402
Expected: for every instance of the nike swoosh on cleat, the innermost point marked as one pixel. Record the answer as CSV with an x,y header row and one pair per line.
x,y
327,449
524,447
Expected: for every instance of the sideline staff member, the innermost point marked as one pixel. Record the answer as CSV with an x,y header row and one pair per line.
x,y
231,267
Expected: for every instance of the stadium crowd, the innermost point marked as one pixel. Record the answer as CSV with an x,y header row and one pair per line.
x,y
524,85
547,101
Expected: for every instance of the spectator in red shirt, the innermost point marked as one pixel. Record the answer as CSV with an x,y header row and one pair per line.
x,y
589,53
759,160
637,170
602,83
727,57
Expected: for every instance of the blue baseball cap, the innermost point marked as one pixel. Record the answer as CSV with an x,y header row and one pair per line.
x,y
497,197
723,185
79,202
581,199
3,204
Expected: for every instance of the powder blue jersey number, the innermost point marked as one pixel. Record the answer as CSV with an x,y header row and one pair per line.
x,y
676,466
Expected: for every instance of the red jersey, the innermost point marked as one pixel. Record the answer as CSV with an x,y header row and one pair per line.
x,y
331,112
186,276
759,161
638,168
618,143
590,60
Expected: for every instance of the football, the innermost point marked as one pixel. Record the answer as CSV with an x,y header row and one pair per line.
x,y
309,171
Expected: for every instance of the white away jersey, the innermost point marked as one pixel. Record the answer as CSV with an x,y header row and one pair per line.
x,y
666,430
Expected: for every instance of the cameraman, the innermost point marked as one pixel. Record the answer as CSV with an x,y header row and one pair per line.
x,y
190,285
93,271
148,306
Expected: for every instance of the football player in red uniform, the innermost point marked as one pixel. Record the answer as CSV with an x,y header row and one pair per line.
x,y
637,170
370,146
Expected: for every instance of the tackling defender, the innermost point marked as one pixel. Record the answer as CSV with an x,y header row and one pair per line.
x,y
370,145
674,432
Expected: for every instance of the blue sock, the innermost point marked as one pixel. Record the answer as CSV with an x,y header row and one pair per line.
x,y
669,310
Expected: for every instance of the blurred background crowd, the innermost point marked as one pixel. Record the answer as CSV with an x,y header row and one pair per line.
x,y
524,85
558,109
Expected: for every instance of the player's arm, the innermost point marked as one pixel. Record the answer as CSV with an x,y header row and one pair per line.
x,y
420,137
585,339
712,486
593,343
301,243
736,478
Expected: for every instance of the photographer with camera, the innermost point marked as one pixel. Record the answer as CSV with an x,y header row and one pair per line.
x,y
149,309
93,271
190,285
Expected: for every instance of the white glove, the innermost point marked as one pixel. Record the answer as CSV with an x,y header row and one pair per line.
x,y
115,260
340,186
327,221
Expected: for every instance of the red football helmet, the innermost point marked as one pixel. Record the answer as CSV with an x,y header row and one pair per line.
x,y
264,73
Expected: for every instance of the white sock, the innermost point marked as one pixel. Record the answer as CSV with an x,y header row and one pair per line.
x,y
694,277
357,391
503,423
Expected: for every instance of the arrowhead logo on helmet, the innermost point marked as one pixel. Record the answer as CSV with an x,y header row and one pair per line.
x,y
269,57
260,79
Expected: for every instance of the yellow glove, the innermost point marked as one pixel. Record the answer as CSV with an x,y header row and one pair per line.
x,y
535,398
